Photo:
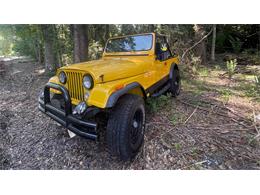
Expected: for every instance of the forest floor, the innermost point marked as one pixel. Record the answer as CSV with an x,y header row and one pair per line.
x,y
209,126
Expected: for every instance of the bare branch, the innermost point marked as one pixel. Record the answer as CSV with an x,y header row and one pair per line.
x,y
190,115
203,38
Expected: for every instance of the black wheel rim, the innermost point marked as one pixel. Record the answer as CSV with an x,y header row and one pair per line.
x,y
137,128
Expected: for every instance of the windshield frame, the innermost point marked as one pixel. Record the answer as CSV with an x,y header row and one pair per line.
x,y
130,52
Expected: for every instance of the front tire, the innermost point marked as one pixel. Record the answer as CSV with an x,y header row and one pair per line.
x,y
125,129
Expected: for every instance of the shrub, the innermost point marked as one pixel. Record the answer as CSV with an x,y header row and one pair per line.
x,y
231,66
157,103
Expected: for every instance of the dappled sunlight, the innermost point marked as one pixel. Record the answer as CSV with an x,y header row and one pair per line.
x,y
216,81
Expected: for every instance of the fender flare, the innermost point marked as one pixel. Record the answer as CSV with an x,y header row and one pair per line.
x,y
116,95
173,66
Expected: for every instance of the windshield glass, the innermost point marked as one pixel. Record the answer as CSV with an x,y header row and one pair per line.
x,y
130,43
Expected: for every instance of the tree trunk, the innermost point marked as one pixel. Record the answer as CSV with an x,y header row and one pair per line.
x,y
107,32
37,52
213,46
105,36
57,46
80,39
201,50
50,58
259,39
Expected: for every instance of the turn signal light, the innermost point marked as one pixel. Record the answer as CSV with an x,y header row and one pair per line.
x,y
118,87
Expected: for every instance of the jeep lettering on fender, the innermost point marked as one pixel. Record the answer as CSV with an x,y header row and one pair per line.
x,y
131,69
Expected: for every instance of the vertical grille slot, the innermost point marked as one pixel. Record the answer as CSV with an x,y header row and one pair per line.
x,y
81,86
74,85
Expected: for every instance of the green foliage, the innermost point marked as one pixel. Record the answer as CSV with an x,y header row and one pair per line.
x,y
6,40
195,62
174,119
98,33
20,40
204,72
231,66
127,29
157,103
225,94
64,44
95,51
197,87
152,104
221,41
27,40
5,47
251,90
236,44
177,146
227,38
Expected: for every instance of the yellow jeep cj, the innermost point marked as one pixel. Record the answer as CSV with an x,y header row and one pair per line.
x,y
132,69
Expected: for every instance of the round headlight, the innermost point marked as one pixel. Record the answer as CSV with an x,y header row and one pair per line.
x,y
87,82
62,77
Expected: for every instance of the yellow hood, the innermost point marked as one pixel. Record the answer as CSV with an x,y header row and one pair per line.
x,y
111,68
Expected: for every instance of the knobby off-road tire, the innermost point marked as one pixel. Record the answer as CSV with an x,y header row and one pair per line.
x,y
125,128
175,83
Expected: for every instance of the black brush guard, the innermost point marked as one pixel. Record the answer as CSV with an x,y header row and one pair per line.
x,y
65,117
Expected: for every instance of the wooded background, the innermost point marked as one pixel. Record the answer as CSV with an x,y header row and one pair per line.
x,y
57,45
213,124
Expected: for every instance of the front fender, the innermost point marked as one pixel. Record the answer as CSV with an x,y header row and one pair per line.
x,y
116,95
55,80
106,96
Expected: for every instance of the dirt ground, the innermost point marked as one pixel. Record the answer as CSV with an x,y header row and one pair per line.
x,y
209,126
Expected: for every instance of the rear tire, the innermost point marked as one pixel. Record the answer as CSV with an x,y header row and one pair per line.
x,y
175,83
125,128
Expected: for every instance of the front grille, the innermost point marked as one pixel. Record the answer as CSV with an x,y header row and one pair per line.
x,y
74,84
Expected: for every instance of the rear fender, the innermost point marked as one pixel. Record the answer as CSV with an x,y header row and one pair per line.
x,y
173,67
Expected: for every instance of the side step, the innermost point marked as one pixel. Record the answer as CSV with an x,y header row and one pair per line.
x,y
163,90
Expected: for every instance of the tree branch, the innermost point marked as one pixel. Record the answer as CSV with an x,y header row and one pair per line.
x,y
203,38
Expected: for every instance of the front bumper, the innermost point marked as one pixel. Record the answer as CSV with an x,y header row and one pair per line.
x,y
77,125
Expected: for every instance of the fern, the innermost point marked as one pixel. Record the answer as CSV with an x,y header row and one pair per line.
x,y
231,67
